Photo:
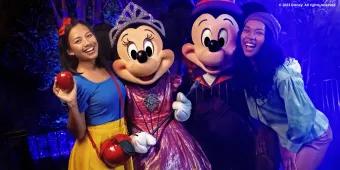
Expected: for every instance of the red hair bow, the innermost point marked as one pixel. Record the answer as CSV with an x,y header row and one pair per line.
x,y
66,22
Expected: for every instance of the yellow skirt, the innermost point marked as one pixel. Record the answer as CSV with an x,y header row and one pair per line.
x,y
84,156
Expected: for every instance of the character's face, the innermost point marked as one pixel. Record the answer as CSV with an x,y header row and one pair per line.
x,y
214,42
82,43
252,37
142,57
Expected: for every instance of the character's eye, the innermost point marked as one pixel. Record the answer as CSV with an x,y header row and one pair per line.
x,y
206,37
222,37
148,47
132,51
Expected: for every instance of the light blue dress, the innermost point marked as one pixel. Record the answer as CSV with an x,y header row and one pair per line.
x,y
288,110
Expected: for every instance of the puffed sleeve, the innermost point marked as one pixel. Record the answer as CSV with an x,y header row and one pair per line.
x,y
299,108
83,96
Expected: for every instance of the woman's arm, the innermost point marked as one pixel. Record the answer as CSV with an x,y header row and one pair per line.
x,y
299,108
76,121
300,114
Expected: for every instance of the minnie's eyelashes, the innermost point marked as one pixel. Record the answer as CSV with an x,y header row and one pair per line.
x,y
149,36
127,42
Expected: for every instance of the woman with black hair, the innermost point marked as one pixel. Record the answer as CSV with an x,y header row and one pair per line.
x,y
276,96
96,101
101,32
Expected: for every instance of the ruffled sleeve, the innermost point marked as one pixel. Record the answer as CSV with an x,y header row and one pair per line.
x,y
299,108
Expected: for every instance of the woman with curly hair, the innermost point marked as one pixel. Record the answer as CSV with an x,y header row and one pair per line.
x,y
276,96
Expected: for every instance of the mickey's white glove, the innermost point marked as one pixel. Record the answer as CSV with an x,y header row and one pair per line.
x,y
142,141
182,107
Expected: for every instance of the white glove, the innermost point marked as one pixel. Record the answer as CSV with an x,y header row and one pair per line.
x,y
182,107
142,141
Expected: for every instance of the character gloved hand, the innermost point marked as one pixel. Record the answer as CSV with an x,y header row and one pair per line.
x,y
142,141
182,107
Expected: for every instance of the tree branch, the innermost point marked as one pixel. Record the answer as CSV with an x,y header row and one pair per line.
x,y
81,9
64,10
56,14
97,11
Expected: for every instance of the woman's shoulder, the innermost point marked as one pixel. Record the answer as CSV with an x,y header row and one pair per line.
x,y
83,84
79,79
291,68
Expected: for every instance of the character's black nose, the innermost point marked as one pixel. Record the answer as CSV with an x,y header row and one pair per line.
x,y
214,46
142,57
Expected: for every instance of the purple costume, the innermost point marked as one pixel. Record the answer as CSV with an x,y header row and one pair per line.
x,y
175,149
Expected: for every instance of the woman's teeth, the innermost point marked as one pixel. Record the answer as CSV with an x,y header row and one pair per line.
x,y
250,45
89,50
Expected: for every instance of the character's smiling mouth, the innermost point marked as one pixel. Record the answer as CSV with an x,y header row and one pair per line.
x,y
213,68
147,78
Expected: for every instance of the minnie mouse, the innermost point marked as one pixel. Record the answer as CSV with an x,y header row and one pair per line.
x,y
142,61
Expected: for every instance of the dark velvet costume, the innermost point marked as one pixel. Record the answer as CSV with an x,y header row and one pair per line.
x,y
219,122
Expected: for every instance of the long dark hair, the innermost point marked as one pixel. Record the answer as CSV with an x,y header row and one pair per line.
x,y
259,81
102,34
68,62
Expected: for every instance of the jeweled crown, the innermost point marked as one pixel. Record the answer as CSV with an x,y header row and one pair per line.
x,y
133,14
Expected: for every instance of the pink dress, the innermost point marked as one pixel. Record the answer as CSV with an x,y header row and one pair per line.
x,y
148,107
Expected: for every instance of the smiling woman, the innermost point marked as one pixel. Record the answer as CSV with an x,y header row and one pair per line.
x,y
252,37
96,101
276,97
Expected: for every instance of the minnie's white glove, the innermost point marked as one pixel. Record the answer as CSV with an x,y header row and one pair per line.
x,y
182,107
142,141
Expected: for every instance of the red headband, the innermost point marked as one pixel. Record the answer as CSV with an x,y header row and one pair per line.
x,y
66,22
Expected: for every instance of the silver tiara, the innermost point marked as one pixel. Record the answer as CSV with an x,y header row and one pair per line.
x,y
133,14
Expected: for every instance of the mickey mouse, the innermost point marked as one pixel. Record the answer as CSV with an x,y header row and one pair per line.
x,y
219,112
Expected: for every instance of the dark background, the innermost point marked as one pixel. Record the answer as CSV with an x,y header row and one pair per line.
x,y
29,59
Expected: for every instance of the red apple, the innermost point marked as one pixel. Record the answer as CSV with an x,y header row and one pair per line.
x,y
122,137
65,81
112,153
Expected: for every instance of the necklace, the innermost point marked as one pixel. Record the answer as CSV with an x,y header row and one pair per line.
x,y
149,102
